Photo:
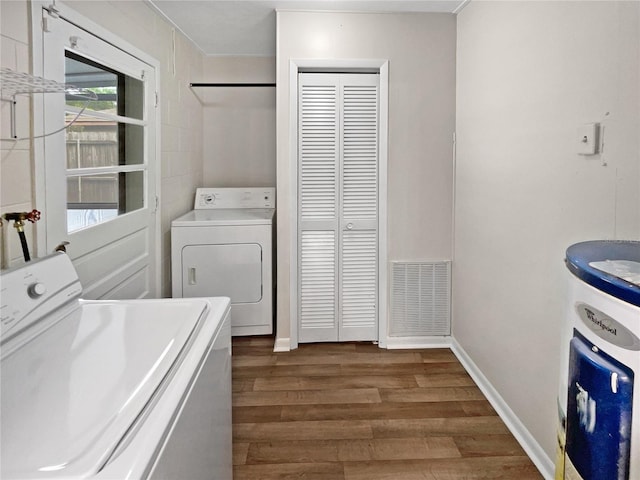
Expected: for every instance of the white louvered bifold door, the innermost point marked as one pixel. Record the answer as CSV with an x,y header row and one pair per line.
x,y
337,193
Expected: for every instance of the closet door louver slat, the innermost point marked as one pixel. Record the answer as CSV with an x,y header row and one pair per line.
x,y
318,151
317,282
360,151
359,285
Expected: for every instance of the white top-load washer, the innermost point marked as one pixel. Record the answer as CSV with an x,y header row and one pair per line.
x,y
136,389
224,248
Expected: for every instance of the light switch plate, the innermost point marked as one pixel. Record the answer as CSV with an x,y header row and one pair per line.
x,y
587,136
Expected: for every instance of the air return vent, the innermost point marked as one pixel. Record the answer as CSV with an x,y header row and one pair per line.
x,y
420,299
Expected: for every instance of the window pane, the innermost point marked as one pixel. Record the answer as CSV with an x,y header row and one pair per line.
x,y
94,199
83,218
93,142
118,94
134,94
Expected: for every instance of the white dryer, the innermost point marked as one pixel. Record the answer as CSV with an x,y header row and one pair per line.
x,y
223,247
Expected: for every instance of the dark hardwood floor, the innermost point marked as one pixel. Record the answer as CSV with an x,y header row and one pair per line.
x,y
356,412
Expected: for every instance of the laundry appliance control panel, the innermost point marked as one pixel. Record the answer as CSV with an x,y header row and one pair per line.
x,y
234,198
34,290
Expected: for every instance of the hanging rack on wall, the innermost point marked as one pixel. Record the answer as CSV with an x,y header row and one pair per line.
x,y
14,83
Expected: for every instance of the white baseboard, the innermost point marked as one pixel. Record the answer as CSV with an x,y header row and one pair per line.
x,y
282,345
418,342
513,423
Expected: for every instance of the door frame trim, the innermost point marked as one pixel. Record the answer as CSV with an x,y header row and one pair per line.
x,y
380,66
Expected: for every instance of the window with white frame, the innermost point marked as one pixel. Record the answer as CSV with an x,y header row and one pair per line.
x,y
104,144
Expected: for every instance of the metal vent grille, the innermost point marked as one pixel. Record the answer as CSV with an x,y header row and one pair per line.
x,y
420,299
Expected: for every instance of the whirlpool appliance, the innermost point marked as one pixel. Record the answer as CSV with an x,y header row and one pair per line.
x,y
136,389
224,248
599,400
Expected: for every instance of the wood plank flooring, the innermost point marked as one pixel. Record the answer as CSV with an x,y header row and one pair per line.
x,y
352,411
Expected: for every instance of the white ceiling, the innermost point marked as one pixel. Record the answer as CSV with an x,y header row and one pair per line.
x,y
245,27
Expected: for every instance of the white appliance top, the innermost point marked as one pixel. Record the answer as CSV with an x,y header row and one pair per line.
x,y
78,377
72,393
225,216
214,198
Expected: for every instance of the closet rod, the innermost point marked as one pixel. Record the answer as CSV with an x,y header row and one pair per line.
x,y
232,84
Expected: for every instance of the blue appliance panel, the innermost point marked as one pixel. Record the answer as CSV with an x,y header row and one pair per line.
x,y
599,411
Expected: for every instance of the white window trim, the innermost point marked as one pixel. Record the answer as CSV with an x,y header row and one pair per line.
x,y
339,65
39,127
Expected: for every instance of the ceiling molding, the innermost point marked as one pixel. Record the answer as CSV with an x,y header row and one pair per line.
x,y
221,28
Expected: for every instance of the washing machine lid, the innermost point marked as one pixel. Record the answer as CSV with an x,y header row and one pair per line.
x,y
608,265
225,216
73,392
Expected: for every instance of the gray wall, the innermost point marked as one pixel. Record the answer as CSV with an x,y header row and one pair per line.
x,y
16,175
421,53
528,75
239,123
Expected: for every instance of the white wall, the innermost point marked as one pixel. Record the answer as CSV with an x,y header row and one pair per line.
x,y
16,194
239,123
528,74
421,53
181,114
